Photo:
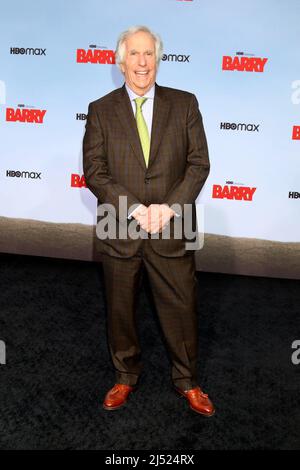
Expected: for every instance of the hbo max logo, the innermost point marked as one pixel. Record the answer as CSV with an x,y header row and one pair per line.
x,y
27,51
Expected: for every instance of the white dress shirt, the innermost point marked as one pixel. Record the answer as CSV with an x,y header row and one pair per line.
x,y
147,110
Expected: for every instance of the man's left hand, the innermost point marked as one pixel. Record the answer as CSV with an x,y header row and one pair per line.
x,y
159,215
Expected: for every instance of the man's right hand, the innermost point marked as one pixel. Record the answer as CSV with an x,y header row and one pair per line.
x,y
141,215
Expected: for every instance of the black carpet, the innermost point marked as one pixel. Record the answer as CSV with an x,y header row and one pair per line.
x,y
53,321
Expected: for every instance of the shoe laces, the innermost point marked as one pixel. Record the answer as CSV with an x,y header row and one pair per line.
x,y
198,390
119,388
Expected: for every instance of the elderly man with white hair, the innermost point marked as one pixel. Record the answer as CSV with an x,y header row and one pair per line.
x,y
145,144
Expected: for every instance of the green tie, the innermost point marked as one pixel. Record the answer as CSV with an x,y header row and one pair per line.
x,y
142,128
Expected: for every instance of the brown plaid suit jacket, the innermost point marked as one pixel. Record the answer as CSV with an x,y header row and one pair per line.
x,y
114,164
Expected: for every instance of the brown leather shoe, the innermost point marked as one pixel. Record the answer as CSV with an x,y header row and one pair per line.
x,y
198,401
117,396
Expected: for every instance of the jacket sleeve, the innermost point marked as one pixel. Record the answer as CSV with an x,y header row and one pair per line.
x,y
197,168
95,169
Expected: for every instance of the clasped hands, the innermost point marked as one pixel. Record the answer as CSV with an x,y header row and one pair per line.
x,y
154,218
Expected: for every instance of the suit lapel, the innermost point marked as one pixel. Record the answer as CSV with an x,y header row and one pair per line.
x,y
127,119
161,109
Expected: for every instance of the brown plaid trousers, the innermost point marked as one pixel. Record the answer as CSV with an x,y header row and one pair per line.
x,y
114,166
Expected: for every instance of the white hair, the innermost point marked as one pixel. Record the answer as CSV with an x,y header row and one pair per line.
x,y
120,49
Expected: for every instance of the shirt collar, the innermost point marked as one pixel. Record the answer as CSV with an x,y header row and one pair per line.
x,y
150,93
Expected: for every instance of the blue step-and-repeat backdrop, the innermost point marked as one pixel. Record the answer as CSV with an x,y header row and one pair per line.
x,y
242,62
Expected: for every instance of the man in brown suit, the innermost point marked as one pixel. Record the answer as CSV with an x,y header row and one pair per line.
x,y
145,144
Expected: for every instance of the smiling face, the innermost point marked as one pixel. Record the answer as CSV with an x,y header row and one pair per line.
x,y
139,66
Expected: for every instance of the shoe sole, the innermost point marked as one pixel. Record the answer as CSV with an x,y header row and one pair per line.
x,y
113,408
182,395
